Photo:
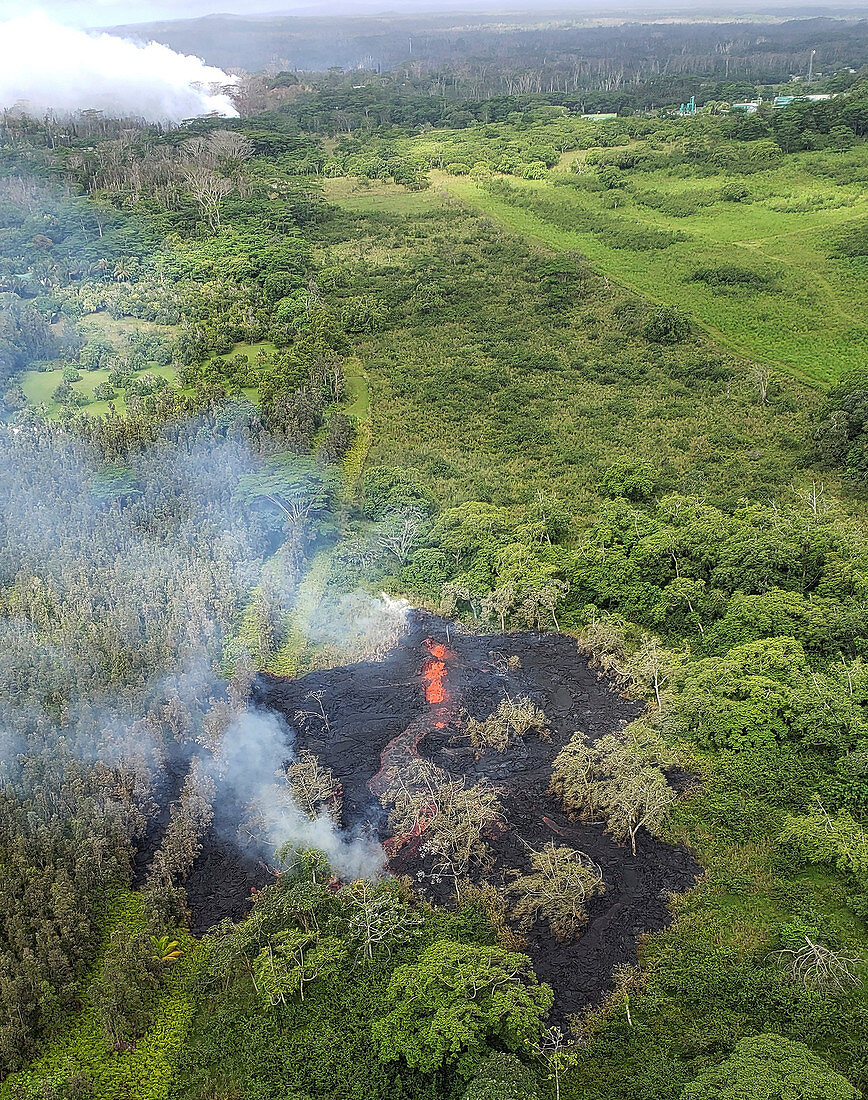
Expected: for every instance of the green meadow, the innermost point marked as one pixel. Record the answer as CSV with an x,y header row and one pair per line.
x,y
808,315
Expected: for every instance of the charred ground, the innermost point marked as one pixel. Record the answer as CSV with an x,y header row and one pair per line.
x,y
370,704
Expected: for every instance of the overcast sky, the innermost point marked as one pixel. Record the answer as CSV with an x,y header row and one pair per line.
x,y
108,13
104,13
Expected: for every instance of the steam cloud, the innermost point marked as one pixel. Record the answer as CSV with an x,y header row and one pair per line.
x,y
45,66
252,754
61,530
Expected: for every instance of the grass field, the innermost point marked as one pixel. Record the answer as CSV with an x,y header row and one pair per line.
x,y
811,320
448,382
38,387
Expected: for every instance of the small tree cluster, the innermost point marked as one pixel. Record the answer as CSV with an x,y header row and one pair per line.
x,y
617,779
190,817
123,991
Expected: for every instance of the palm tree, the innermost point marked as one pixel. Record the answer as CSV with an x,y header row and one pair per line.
x,y
166,950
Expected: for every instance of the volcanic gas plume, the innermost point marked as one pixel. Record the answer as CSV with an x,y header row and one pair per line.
x,y
46,67
397,740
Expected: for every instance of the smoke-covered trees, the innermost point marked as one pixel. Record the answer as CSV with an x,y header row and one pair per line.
x,y
314,787
189,818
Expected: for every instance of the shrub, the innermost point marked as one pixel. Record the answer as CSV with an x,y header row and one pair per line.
x,y
769,1065
667,326
724,277
630,479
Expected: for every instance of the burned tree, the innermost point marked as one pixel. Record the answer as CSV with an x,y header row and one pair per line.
x,y
314,787
815,965
456,835
452,818
513,720
617,779
412,794
316,711
556,890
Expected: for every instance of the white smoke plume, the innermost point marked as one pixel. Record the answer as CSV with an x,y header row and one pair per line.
x,y
47,67
250,762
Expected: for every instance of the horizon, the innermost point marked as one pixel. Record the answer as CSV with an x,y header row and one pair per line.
x,y
108,15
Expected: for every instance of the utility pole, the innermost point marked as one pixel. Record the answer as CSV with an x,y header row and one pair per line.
x,y
811,67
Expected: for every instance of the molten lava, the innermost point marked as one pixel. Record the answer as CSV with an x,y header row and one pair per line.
x,y
434,672
401,749
434,675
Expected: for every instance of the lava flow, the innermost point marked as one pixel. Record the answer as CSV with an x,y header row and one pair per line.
x,y
402,749
434,672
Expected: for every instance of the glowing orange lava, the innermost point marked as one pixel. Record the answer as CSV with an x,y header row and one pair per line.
x,y
403,748
434,675
434,672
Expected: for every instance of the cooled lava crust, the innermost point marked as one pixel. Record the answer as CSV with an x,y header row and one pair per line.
x,y
370,705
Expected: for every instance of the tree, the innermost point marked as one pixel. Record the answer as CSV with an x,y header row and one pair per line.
x,y
556,1056
314,787
762,376
769,1067
512,720
399,532
502,1077
378,916
292,960
500,602
556,890
652,665
166,950
447,1006
618,778
208,190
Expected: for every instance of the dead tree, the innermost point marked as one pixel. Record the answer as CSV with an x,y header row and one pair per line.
x,y
316,712
562,881
813,964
